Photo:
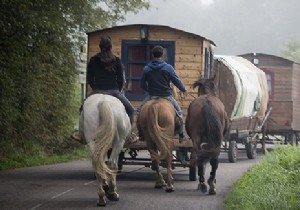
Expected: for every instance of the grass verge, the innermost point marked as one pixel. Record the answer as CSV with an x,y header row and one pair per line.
x,y
274,183
24,160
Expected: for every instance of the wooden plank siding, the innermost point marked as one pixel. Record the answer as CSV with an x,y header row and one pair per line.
x,y
189,52
285,103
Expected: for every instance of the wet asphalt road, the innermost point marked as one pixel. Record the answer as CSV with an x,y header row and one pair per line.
x,y
72,186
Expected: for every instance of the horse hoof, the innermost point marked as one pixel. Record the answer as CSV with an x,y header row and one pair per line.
x,y
169,190
159,186
101,203
113,196
202,187
212,191
212,183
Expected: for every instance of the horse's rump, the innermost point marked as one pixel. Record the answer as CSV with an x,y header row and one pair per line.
x,y
105,125
156,123
204,124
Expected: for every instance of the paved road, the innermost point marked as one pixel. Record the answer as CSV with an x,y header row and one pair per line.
x,y
72,186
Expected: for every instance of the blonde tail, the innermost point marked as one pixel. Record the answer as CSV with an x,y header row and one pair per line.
x,y
104,139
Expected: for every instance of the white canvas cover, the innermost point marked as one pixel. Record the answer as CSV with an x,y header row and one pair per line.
x,y
251,87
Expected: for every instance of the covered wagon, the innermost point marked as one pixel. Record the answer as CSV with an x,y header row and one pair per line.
x,y
243,90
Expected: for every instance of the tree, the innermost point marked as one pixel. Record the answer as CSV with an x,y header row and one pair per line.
x,y
292,50
38,42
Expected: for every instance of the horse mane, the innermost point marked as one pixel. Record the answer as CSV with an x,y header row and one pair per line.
x,y
206,86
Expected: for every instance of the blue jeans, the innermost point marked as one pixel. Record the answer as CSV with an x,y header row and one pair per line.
x,y
172,100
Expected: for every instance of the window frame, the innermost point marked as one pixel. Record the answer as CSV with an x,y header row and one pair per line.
x,y
170,45
271,73
208,63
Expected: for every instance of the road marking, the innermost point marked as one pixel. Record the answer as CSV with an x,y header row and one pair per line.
x,y
60,194
35,207
87,183
53,197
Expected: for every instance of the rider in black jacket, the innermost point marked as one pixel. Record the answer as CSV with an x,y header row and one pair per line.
x,y
105,74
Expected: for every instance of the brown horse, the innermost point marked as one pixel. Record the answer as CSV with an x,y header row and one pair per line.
x,y
156,123
206,124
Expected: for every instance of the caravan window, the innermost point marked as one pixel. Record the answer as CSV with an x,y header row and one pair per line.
x,y
137,54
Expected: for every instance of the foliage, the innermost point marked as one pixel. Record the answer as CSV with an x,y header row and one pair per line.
x,y
272,184
41,158
38,68
292,50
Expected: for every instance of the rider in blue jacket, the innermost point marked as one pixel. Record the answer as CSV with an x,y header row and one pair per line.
x,y
156,79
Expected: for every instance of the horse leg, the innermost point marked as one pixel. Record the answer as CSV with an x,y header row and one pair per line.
x,y
214,162
170,187
112,194
201,172
101,192
160,182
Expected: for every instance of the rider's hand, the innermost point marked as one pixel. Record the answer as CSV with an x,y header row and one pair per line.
x,y
184,93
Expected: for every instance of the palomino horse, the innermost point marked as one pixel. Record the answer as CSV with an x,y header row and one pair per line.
x,y
156,123
104,124
206,124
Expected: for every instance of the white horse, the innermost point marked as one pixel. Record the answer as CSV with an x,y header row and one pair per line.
x,y
104,124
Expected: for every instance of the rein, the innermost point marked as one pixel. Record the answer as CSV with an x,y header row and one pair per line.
x,y
180,97
191,95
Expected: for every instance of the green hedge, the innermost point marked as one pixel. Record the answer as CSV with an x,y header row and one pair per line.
x,y
274,183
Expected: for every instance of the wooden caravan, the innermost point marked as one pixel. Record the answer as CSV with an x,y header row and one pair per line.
x,y
283,77
189,53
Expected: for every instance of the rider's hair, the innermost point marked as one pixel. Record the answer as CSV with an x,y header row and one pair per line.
x,y
157,51
105,43
106,55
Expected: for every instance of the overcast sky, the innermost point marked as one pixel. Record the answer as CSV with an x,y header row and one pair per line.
x,y
236,26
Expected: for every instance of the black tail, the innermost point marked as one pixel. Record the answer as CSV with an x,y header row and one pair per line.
x,y
213,125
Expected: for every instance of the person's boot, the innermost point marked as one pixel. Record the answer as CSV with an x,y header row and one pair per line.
x,y
132,138
182,138
76,137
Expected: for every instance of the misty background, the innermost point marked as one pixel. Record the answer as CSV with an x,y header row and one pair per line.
x,y
235,26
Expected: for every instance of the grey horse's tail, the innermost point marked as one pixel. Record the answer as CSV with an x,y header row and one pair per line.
x,y
104,138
